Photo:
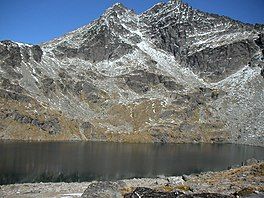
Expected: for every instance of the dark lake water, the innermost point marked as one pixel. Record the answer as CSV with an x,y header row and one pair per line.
x,y
86,161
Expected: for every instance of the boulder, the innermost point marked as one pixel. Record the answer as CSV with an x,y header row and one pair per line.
x,y
102,190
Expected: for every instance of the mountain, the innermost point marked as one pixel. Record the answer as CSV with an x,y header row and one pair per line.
x,y
170,74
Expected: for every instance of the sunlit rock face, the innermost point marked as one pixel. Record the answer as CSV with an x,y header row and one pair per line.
x,y
170,74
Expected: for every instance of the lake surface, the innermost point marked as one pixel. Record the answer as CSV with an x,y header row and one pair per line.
x,y
86,161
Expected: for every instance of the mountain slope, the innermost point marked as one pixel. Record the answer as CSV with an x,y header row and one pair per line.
x,y
171,74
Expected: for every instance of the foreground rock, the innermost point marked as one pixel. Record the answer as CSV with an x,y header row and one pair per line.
x,y
147,192
103,190
245,181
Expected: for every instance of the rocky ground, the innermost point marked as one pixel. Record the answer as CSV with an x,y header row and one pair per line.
x,y
245,181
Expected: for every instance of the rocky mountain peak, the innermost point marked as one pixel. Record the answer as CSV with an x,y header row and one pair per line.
x,y
118,6
167,75
171,6
117,9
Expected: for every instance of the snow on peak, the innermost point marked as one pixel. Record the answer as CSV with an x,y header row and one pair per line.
x,y
118,5
177,2
116,8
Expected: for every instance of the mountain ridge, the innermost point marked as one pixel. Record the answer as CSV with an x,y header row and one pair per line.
x,y
170,74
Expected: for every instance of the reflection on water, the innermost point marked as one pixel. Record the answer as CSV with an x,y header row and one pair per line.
x,y
75,161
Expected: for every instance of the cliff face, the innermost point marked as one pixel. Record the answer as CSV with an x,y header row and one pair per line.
x,y
171,74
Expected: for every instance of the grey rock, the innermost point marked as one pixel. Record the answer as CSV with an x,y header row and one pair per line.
x,y
95,47
37,53
171,85
25,53
63,74
26,120
167,114
137,86
186,127
141,81
36,122
63,51
11,58
50,125
47,85
251,162
6,84
147,192
86,125
102,190
93,97
143,77
218,63
262,73
260,42
88,88
14,96
10,53
85,87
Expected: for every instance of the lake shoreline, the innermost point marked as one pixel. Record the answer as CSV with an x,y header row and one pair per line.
x,y
245,180
122,142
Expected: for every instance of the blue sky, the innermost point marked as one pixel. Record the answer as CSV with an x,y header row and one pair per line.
x,y
36,21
